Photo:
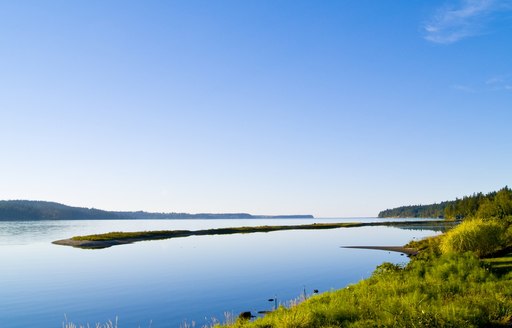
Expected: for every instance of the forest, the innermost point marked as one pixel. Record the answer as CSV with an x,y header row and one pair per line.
x,y
496,204
39,210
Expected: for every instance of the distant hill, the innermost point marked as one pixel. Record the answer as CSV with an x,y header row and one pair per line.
x,y
417,211
493,204
40,210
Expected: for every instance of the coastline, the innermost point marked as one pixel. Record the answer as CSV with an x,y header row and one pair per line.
x,y
399,249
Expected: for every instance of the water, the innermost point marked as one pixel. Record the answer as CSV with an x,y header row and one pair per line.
x,y
168,282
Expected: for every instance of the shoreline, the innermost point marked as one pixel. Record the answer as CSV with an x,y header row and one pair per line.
x,y
399,249
106,240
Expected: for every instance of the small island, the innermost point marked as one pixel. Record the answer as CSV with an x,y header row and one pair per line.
x,y
105,240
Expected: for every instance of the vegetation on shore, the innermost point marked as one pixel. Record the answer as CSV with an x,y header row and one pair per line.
x,y
448,291
38,210
460,279
493,204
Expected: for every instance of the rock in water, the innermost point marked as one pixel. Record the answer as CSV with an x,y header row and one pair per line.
x,y
245,315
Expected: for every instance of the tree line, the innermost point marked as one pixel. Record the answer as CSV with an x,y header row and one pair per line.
x,y
496,204
40,210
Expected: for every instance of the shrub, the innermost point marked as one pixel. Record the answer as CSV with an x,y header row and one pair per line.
x,y
428,247
478,236
387,267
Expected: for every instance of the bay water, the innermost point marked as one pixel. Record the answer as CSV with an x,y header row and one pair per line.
x,y
181,282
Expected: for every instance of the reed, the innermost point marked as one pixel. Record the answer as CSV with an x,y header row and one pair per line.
x,y
108,324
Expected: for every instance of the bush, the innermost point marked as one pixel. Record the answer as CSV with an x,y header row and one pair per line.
x,y
478,236
428,247
387,267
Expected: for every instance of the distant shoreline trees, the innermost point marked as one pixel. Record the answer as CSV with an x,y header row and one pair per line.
x,y
496,204
12,210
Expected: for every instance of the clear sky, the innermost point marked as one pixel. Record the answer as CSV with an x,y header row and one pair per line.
x,y
331,108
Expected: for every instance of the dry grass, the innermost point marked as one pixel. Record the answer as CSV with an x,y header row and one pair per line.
x,y
108,324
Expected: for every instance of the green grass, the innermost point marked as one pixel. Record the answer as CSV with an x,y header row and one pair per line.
x,y
500,265
483,237
448,291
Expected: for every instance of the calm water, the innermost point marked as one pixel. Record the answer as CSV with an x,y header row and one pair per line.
x,y
166,283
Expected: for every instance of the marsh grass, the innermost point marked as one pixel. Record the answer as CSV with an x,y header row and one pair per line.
x,y
229,319
483,237
449,291
108,324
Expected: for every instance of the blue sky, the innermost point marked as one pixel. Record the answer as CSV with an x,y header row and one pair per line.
x,y
331,108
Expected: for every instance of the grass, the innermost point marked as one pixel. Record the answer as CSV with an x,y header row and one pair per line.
x,y
500,265
435,289
117,235
448,291
483,237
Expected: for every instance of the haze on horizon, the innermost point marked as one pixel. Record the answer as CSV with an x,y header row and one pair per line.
x,y
335,109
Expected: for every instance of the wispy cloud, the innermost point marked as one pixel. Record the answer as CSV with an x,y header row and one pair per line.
x,y
495,80
502,82
463,88
466,18
492,84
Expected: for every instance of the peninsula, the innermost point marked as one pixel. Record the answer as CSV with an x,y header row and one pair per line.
x,y
27,210
120,238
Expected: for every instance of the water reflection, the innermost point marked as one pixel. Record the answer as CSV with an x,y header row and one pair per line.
x,y
437,227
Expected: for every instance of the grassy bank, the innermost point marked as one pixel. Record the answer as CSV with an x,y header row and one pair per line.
x,y
449,291
460,279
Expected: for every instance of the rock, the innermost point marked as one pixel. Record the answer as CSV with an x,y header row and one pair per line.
x,y
245,315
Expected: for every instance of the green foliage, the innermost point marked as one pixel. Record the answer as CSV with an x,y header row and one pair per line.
x,y
449,291
387,267
500,265
491,205
416,211
499,206
477,235
488,227
487,209
428,247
